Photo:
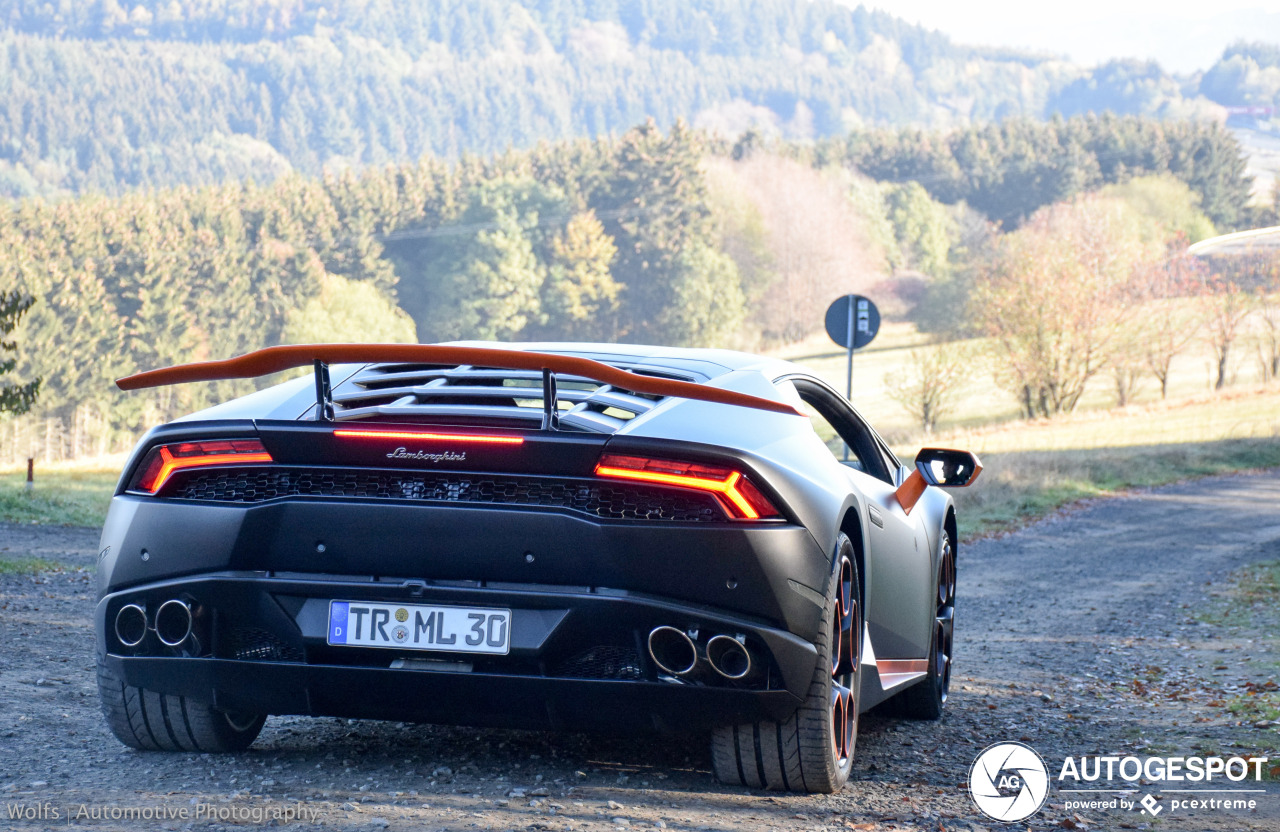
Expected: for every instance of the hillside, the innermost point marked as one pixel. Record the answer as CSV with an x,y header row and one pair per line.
x,y
109,96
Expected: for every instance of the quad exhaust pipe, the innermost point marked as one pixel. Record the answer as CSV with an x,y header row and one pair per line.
x,y
172,623
672,651
728,657
131,625
676,653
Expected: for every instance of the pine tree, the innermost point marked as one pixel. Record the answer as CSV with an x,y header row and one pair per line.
x,y
14,398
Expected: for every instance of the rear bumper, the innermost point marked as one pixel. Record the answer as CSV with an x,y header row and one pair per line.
x,y
452,698
259,644
756,570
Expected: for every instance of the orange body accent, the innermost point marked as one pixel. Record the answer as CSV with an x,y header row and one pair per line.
x,y
275,359
895,666
909,492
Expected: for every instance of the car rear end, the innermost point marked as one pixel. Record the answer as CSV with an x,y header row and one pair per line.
x,y
435,554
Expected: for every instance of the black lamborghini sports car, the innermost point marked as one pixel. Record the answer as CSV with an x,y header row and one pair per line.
x,y
544,536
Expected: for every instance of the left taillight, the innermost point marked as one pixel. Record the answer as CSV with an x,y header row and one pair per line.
x,y
164,461
736,493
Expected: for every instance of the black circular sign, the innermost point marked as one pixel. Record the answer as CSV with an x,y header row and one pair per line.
x,y
852,321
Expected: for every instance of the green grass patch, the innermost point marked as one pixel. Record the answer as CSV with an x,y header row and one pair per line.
x,y
1256,706
32,566
62,496
1259,584
1251,599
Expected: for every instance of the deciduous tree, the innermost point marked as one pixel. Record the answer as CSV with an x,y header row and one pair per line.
x,y
1054,300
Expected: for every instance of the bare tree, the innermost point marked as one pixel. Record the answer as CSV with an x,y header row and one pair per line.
x,y
926,388
1268,303
1224,306
1168,325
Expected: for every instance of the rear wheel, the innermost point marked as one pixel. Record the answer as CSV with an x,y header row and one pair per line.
x,y
927,698
811,751
152,721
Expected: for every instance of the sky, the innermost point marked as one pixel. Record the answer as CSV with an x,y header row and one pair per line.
x,y
1182,36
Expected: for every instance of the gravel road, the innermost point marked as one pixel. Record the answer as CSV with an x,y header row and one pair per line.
x,y
1079,635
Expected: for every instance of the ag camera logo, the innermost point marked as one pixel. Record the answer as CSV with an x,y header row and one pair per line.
x,y
1009,781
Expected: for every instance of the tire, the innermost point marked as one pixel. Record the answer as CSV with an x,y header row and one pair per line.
x,y
927,698
812,750
152,721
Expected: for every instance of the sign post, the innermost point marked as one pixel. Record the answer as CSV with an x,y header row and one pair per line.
x,y
852,321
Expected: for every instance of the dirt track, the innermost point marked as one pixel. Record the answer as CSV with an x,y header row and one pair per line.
x,y
1077,635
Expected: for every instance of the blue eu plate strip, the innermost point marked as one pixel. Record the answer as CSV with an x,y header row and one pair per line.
x,y
338,622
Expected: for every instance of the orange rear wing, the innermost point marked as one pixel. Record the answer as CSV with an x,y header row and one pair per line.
x,y
320,356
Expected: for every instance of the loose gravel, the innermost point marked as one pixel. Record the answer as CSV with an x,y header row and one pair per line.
x,y
1080,635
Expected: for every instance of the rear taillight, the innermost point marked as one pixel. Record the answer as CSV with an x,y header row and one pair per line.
x,y
166,460
740,498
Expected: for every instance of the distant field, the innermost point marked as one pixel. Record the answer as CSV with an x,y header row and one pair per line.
x,y
980,403
1035,467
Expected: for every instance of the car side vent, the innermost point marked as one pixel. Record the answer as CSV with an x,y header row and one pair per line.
x,y
407,392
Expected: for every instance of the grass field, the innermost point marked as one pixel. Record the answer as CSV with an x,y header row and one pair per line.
x,y
1032,467
64,493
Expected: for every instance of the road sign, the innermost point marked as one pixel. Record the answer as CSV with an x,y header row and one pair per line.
x,y
852,321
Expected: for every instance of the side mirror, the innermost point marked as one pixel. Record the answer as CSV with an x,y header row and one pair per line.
x,y
948,469
940,467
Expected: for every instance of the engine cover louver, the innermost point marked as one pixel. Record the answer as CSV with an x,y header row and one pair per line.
x,y
405,393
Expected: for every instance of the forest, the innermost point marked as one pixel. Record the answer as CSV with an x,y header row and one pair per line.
x,y
107,96
657,236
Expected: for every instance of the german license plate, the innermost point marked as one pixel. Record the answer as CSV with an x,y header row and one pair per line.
x,y
419,627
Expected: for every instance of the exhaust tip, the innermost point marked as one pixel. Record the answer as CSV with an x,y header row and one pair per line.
x,y
672,650
173,622
131,625
728,657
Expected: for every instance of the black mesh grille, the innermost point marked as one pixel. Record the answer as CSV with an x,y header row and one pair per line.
x,y
604,661
248,644
600,499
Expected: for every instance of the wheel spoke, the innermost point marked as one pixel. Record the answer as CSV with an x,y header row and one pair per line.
x,y
837,645
944,627
845,651
843,721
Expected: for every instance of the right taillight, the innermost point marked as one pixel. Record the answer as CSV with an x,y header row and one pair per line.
x,y
164,461
740,498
